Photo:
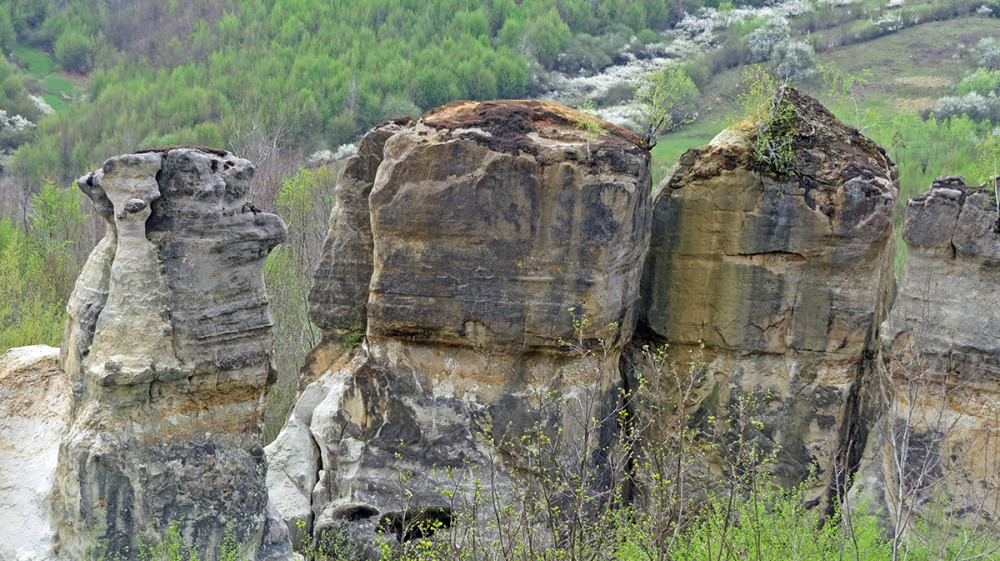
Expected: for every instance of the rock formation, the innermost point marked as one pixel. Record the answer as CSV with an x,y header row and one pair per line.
x,y
168,353
340,288
492,225
783,276
491,274
34,416
942,362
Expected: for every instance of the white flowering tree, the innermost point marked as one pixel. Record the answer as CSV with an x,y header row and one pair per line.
x,y
14,130
791,59
988,53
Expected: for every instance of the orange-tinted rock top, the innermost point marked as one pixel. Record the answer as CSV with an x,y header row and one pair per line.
x,y
510,121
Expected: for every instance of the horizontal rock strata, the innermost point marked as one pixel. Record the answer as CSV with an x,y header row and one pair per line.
x,y
498,229
784,277
941,363
168,351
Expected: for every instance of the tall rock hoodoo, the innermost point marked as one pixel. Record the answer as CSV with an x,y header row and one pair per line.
x,y
168,354
492,226
784,277
941,356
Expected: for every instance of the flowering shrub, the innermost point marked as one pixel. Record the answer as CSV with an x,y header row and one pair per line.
x,y
763,40
989,9
15,130
981,81
41,104
988,53
973,104
322,157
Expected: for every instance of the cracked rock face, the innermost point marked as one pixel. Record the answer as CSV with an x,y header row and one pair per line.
x,y
487,223
942,359
168,353
783,277
340,285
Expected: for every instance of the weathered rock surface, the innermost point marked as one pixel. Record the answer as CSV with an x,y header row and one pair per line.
x,y
489,222
168,351
340,286
34,416
941,359
783,277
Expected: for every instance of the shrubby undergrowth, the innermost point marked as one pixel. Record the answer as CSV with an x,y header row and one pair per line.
x,y
678,494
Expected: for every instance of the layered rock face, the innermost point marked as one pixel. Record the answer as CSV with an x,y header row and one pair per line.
x,y
34,416
168,353
340,288
783,277
942,361
493,226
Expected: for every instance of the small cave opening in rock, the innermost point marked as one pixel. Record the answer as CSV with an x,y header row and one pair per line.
x,y
415,523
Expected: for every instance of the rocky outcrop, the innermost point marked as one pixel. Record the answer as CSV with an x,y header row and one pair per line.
x,y
784,277
493,225
941,354
168,353
34,416
340,287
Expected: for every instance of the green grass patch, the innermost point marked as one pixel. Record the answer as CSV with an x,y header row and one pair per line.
x,y
39,63
670,147
58,84
917,65
56,103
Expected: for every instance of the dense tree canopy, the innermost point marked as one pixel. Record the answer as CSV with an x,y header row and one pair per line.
x,y
318,72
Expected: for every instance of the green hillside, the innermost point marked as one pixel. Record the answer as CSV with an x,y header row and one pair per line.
x,y
313,73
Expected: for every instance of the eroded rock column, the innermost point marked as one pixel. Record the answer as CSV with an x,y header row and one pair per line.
x,y
941,369
493,225
784,277
168,351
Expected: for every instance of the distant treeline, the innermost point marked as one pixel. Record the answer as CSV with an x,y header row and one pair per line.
x,y
315,73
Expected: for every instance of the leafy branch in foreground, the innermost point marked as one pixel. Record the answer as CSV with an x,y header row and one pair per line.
x,y
988,152
664,102
769,125
847,90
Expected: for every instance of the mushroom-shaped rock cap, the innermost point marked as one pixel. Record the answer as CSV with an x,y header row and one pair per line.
x,y
169,355
825,151
729,228
953,218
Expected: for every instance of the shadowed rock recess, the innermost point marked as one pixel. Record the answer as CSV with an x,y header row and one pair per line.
x,y
168,354
491,225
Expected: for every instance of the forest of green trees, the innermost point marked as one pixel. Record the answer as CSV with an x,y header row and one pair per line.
x,y
314,72
277,81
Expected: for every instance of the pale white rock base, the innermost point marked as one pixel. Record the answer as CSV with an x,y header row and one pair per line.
x,y
34,415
